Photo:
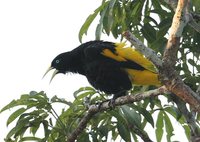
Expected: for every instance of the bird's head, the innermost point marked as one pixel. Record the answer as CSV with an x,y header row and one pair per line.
x,y
60,64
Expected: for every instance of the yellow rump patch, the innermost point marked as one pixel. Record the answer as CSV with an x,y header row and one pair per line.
x,y
110,54
144,77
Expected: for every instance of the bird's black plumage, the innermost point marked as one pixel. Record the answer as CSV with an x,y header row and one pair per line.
x,y
105,73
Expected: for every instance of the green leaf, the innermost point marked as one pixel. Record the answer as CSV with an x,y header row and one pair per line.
x,y
123,131
98,31
12,104
121,125
100,25
19,128
175,112
146,114
132,116
103,129
135,137
55,99
33,93
94,136
191,62
35,127
159,126
46,128
169,128
27,100
89,20
14,115
136,12
149,32
159,44
84,137
82,90
187,131
109,19
150,19
83,95
163,26
197,5
147,9
30,139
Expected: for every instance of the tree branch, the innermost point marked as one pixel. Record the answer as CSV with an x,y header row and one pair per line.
x,y
168,75
93,109
192,17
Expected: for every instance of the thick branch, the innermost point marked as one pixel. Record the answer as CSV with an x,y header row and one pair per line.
x,y
192,17
168,74
179,22
93,109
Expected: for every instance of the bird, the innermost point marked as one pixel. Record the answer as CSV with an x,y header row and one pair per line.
x,y
110,67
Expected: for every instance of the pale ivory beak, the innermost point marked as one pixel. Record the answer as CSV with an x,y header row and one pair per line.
x,y
53,75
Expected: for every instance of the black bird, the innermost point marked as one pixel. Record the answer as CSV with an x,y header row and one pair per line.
x,y
109,67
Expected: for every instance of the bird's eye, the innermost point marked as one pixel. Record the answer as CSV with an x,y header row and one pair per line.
x,y
57,61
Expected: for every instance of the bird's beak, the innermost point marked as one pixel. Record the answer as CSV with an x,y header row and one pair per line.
x,y
53,75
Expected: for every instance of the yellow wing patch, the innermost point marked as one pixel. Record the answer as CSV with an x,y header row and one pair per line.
x,y
110,54
133,55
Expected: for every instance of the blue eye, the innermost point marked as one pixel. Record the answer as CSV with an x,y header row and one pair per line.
x,y
57,61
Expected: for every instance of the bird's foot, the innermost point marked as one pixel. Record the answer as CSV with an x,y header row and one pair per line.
x,y
111,103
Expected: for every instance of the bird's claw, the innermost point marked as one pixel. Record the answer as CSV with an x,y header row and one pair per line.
x,y
111,103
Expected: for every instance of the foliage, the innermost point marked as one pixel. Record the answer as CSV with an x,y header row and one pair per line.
x,y
36,109
149,21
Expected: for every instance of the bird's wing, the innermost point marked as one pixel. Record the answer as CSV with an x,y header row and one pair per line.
x,y
140,70
129,54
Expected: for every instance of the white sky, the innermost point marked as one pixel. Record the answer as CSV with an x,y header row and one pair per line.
x,y
32,33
